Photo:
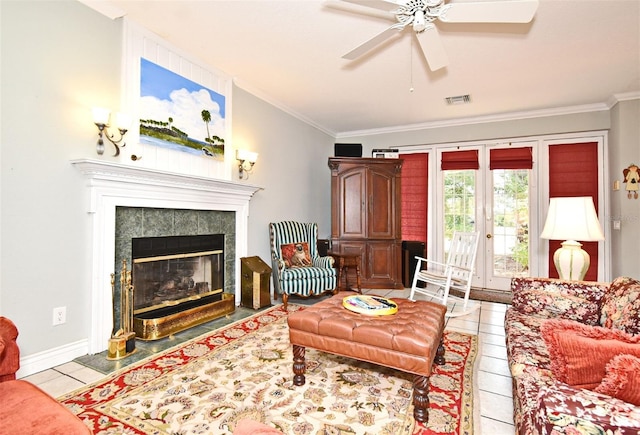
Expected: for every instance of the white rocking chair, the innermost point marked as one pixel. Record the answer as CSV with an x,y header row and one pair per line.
x,y
456,273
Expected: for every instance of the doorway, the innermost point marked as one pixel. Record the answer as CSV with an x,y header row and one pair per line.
x,y
488,188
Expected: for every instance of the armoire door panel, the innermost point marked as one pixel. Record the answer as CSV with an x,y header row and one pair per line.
x,y
381,204
353,219
382,260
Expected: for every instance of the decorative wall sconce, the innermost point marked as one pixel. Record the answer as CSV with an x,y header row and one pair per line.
x,y
632,180
246,161
101,119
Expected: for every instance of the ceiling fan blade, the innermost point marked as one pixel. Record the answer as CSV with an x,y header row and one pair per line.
x,y
512,11
385,5
378,39
432,48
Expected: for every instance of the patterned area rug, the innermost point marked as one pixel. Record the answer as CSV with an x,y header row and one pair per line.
x,y
245,370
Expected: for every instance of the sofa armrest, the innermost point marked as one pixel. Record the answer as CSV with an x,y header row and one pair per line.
x,y
565,409
555,298
9,351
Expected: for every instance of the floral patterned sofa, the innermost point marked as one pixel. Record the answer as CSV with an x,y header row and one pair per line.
x,y
574,354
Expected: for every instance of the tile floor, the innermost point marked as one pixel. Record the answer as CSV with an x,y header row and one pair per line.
x,y
494,379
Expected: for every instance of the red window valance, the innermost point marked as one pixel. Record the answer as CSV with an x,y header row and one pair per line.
x,y
452,160
511,158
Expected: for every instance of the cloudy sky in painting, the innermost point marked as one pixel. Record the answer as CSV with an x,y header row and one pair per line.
x,y
164,94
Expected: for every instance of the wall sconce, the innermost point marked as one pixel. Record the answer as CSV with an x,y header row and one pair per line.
x,y
246,161
101,119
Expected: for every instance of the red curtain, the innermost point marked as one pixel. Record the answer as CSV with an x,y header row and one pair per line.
x,y
414,178
573,171
511,158
452,160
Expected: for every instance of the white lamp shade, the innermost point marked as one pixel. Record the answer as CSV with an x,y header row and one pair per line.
x,y
123,121
101,115
247,156
572,218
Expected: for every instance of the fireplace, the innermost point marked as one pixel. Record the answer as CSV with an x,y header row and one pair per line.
x,y
168,271
178,282
113,187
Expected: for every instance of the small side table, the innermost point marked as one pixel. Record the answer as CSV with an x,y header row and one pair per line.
x,y
344,261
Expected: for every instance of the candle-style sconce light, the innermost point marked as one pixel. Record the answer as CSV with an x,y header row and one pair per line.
x,y
246,160
101,118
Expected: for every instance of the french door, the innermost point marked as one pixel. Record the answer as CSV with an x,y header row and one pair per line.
x,y
493,196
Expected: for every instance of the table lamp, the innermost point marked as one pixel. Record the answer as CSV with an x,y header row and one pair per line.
x,y
572,219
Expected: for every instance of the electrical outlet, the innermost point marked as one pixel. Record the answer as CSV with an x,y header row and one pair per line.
x,y
59,315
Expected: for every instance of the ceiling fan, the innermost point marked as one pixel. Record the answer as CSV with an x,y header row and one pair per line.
x,y
421,14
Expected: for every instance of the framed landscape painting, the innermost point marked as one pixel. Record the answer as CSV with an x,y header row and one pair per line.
x,y
179,114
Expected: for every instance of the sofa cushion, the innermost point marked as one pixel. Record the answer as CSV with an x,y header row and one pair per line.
x,y
296,254
579,353
621,306
622,379
525,346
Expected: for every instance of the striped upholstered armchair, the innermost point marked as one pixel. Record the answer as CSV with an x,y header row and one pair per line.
x,y
297,269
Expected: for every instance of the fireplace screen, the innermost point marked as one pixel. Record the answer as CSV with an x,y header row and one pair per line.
x,y
169,271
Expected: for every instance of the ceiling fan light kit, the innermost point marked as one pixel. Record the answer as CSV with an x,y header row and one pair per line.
x,y
421,15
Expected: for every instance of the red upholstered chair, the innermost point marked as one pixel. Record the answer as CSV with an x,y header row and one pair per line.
x,y
25,408
9,352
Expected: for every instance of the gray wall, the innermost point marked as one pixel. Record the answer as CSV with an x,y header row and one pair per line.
x,y
292,169
59,58
624,141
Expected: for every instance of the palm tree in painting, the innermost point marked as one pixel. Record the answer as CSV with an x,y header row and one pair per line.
x,y
206,117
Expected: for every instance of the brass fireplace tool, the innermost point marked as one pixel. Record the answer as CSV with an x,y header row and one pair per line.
x,y
123,341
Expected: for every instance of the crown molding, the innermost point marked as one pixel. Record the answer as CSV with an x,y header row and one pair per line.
x,y
627,96
105,8
511,116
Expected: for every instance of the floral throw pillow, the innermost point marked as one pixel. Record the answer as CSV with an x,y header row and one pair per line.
x,y
621,306
622,380
296,254
580,353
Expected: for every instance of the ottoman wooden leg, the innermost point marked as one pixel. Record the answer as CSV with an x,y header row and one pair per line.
x,y
421,398
439,359
299,365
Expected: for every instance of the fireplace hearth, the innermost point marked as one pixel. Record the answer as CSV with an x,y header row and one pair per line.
x,y
178,283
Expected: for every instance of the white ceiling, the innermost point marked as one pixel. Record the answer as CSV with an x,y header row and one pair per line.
x,y
574,53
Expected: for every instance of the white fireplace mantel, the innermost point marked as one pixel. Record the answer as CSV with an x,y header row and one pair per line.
x,y
112,185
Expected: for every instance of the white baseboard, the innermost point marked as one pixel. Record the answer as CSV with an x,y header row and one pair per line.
x,y
47,359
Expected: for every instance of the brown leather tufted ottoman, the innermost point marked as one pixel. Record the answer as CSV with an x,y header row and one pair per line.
x,y
410,340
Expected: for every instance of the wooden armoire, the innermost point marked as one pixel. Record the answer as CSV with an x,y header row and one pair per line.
x,y
365,217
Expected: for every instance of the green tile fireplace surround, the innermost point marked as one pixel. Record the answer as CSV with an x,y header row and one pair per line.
x,y
132,222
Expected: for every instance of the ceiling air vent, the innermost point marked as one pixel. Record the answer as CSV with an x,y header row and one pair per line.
x,y
459,99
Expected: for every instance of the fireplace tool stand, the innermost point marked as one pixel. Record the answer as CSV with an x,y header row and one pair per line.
x,y
123,341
